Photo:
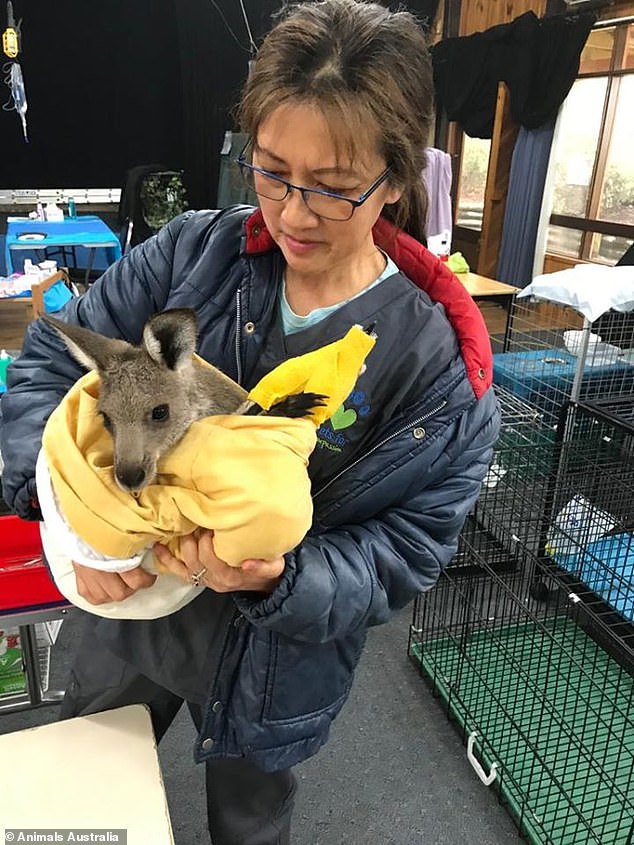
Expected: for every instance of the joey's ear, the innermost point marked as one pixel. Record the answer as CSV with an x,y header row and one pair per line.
x,y
92,350
170,337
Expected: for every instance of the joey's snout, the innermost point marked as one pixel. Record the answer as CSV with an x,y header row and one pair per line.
x,y
132,477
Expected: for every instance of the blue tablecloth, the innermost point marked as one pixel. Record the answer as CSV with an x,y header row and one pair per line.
x,y
87,230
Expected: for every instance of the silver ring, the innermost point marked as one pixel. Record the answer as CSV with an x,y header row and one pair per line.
x,y
196,578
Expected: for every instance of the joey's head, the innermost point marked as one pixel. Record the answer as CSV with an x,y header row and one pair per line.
x,y
145,399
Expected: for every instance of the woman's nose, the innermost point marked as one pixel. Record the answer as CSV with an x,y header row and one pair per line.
x,y
295,211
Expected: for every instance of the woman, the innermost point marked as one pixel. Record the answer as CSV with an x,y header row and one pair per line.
x,y
338,111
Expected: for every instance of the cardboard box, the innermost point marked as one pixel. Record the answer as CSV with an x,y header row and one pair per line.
x,y
12,674
12,678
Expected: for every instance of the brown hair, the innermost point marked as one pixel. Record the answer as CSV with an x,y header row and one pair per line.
x,y
363,66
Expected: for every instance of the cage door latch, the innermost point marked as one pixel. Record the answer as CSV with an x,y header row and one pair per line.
x,y
487,780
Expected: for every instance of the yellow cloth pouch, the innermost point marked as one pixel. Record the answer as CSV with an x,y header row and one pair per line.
x,y
242,476
331,370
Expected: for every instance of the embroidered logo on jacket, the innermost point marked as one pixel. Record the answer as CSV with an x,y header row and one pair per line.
x,y
330,433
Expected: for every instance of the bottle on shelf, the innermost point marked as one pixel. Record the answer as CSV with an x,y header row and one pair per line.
x,y
5,360
54,213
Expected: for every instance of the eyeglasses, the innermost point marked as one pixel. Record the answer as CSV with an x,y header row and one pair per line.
x,y
324,204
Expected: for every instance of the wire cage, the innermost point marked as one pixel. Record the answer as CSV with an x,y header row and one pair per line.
x,y
590,532
549,359
528,639
539,366
512,504
541,704
553,355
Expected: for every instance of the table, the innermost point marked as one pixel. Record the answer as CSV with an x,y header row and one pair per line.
x,y
87,230
27,596
34,300
98,772
483,288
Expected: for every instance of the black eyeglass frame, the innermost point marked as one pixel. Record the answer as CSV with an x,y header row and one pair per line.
x,y
244,165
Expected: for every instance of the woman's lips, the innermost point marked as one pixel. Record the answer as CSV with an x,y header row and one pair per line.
x,y
299,247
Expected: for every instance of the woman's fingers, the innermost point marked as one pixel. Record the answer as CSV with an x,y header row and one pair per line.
x,y
98,587
259,568
262,576
206,547
190,553
198,556
170,562
138,578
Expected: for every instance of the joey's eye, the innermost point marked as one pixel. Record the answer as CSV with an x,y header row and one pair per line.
x,y
161,413
107,424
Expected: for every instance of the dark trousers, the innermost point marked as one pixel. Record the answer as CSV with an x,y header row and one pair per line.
x,y
245,806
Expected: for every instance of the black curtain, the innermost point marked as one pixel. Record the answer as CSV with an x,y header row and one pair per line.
x,y
103,89
537,58
119,83
214,52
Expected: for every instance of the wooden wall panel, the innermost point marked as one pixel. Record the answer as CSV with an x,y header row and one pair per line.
x,y
436,31
554,263
505,131
620,9
477,15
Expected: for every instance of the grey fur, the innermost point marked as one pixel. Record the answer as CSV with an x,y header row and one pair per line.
x,y
139,380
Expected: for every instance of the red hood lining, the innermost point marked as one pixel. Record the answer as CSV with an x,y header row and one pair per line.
x,y
432,276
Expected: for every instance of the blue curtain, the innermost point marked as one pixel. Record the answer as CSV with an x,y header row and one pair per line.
x,y
523,204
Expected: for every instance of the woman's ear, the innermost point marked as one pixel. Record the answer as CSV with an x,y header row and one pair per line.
x,y
393,194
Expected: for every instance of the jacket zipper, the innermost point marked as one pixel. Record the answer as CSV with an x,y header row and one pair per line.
x,y
238,335
385,440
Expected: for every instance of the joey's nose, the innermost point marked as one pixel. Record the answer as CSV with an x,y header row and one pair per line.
x,y
131,477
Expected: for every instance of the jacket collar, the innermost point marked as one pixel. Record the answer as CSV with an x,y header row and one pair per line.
x,y
429,274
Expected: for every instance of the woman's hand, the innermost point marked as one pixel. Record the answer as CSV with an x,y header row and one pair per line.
x,y
199,556
98,587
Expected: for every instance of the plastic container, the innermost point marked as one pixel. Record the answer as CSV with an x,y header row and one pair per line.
x,y
24,579
54,213
5,360
598,354
15,82
573,341
72,208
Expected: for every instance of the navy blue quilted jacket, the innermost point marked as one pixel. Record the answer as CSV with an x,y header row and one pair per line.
x,y
388,508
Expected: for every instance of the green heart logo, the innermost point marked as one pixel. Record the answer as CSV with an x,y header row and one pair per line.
x,y
342,418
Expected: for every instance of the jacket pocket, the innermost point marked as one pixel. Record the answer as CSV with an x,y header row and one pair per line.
x,y
306,680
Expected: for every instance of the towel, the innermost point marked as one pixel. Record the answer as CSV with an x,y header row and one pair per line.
x,y
245,477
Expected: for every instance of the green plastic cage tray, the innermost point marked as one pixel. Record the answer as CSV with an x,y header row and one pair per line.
x,y
554,719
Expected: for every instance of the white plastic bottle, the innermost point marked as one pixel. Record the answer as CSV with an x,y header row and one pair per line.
x,y
54,213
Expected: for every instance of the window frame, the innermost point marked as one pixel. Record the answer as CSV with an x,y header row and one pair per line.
x,y
590,224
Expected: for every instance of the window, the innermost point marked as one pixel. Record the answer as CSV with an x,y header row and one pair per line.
x,y
593,198
473,177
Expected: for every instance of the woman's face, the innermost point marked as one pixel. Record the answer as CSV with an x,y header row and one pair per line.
x,y
295,143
